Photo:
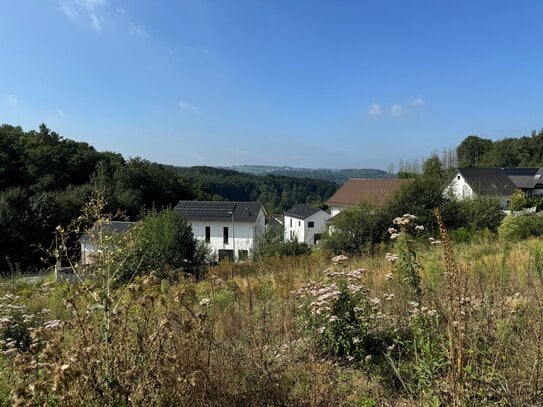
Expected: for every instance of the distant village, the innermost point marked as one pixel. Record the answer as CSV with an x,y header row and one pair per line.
x,y
232,229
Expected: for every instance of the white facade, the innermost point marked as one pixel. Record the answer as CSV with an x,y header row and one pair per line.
x,y
460,189
306,230
334,210
227,238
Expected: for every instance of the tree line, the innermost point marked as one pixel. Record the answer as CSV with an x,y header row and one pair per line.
x,y
45,180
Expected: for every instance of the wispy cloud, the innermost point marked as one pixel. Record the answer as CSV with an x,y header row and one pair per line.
x,y
87,13
187,107
375,110
12,100
417,102
61,113
137,30
396,110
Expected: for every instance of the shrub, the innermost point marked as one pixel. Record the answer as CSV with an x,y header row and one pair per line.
x,y
521,227
355,229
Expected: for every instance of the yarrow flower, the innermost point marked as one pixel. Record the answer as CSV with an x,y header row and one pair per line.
x,y
391,257
205,302
419,228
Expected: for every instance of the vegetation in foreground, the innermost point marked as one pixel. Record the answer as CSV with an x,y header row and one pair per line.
x,y
423,321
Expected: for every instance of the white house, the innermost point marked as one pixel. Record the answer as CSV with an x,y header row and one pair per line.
x,y
305,224
100,233
230,229
357,190
471,182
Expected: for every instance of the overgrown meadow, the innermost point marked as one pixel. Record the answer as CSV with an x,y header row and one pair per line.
x,y
423,321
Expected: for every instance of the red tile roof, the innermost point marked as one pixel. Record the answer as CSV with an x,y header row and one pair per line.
x,y
357,190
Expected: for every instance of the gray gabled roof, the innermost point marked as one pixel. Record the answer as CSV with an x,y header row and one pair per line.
x,y
525,178
219,211
488,181
109,229
301,211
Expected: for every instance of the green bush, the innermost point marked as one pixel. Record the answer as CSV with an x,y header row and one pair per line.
x,y
355,229
515,228
461,235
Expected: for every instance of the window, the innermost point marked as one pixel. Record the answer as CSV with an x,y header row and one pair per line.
x,y
458,177
225,235
299,223
226,254
208,234
310,224
243,254
316,237
290,222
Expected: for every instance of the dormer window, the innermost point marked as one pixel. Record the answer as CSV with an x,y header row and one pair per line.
x,y
458,177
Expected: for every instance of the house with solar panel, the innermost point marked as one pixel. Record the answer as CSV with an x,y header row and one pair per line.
x,y
304,224
230,229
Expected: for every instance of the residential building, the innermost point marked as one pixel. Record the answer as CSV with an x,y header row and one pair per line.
x,y
357,190
530,180
305,224
100,234
230,229
472,182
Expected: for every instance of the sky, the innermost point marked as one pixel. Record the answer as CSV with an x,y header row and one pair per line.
x,y
305,83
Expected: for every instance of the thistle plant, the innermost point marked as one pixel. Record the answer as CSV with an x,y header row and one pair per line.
x,y
405,256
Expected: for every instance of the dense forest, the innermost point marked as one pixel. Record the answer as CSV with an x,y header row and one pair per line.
x,y
46,179
525,151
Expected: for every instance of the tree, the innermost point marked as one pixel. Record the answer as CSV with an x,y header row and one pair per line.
x,y
164,242
356,229
518,200
471,150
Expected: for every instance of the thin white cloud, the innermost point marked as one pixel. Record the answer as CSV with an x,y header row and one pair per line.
x,y
95,22
137,30
417,102
87,13
187,107
375,110
90,4
396,110
61,113
69,11
12,100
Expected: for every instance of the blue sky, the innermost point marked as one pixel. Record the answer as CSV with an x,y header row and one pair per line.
x,y
341,84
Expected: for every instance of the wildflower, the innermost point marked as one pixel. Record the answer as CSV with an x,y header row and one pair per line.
x,y
339,259
350,358
205,302
389,276
356,339
394,236
419,228
392,230
391,257
52,324
432,313
333,318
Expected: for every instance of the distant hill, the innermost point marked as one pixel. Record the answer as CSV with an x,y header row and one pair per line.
x,y
339,176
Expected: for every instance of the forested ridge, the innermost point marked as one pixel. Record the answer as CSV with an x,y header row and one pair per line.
x,y
526,151
46,179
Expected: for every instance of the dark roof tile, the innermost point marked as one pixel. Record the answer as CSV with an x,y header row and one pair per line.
x,y
301,211
219,211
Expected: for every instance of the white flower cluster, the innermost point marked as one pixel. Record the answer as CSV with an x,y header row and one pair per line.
x,y
433,241
404,220
391,257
